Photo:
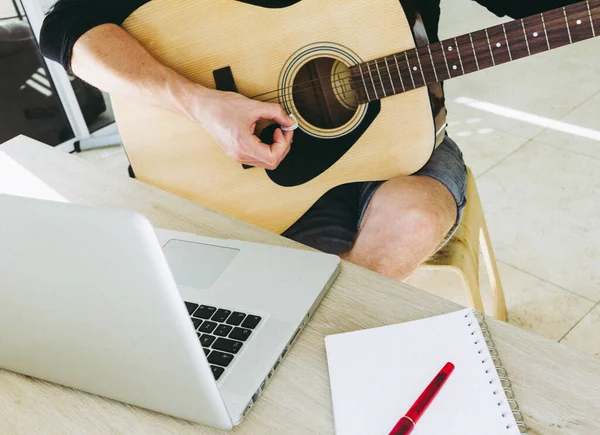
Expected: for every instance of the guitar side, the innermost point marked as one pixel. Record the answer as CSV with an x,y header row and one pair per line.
x,y
196,38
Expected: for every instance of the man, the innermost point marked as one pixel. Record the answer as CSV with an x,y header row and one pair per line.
x,y
390,227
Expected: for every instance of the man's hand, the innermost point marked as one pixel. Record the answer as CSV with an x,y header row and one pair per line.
x,y
231,119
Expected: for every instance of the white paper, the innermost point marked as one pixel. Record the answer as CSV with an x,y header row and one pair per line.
x,y
377,374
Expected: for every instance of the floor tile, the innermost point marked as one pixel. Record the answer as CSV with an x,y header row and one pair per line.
x,y
533,304
541,205
536,305
586,142
586,335
583,53
482,146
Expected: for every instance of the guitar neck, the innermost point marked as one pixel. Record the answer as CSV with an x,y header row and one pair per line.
x,y
475,51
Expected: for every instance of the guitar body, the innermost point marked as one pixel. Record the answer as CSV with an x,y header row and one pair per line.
x,y
267,49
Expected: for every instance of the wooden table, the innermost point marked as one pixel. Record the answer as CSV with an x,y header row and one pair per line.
x,y
558,388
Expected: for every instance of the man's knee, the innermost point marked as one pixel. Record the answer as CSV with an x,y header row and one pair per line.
x,y
408,238
406,221
420,224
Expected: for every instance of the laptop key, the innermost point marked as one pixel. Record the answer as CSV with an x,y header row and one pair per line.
x,y
205,312
223,330
196,322
220,358
206,340
240,334
236,318
221,315
206,351
227,345
207,327
191,307
251,321
217,372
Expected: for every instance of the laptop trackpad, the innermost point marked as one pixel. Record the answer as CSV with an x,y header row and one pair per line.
x,y
197,265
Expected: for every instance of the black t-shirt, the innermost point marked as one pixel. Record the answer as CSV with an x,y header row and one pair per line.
x,y
70,19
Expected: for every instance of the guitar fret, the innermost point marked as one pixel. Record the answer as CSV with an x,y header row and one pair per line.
x,y
498,43
445,59
526,40
380,79
433,63
399,74
390,74
362,76
516,36
459,56
420,66
372,81
410,71
567,22
579,24
591,20
535,28
560,31
507,43
490,47
474,52
545,31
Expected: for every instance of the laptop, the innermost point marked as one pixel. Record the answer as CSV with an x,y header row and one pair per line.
x,y
194,327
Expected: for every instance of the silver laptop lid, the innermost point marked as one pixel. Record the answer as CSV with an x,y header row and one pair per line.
x,y
87,300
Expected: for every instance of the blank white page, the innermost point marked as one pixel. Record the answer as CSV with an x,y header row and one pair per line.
x,y
377,374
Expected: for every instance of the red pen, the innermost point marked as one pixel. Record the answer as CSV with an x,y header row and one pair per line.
x,y
407,423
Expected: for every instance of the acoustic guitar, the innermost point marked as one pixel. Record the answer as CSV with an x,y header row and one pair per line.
x,y
358,75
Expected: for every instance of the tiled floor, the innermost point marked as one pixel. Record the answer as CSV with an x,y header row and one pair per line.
x,y
540,187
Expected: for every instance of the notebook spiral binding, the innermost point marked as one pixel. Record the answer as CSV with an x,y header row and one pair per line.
x,y
510,406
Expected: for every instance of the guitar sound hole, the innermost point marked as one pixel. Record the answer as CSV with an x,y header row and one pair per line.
x,y
322,93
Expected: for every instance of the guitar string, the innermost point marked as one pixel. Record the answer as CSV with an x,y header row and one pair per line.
x,y
436,50
362,76
324,87
337,78
335,84
376,62
382,80
293,107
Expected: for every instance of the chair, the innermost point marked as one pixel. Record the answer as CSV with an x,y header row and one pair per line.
x,y
461,254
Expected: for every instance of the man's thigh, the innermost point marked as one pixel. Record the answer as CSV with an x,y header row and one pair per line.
x,y
332,224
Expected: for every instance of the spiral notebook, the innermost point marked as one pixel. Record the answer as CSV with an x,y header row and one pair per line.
x,y
377,374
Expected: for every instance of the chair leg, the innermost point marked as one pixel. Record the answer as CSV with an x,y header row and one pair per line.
x,y
471,276
493,274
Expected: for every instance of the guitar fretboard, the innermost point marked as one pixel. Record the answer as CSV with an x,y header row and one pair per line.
x,y
475,51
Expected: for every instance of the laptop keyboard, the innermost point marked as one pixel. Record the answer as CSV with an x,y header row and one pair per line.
x,y
222,333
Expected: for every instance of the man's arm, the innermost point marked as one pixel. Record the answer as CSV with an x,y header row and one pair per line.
x,y
109,58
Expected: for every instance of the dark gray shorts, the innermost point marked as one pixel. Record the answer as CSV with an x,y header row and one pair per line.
x,y
331,224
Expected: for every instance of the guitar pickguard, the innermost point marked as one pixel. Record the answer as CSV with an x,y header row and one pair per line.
x,y
310,156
